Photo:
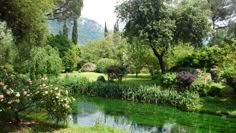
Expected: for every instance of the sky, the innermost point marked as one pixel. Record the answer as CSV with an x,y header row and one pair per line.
x,y
101,11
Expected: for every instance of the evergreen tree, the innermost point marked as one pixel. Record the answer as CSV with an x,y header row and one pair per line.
x,y
65,29
116,27
106,30
75,31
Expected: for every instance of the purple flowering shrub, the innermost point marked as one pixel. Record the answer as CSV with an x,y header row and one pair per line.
x,y
185,79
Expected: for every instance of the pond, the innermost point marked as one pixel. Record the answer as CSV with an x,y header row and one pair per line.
x,y
146,118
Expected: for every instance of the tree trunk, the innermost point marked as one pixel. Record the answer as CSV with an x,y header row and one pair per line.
x,y
160,59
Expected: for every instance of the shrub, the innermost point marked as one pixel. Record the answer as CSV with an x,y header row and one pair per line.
x,y
116,72
101,79
104,63
185,79
88,67
168,79
230,75
203,58
18,94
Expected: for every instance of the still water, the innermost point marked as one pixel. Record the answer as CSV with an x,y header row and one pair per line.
x,y
146,118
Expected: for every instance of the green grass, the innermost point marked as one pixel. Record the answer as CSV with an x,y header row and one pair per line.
x,y
144,79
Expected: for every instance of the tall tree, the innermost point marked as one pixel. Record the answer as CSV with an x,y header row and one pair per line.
x,y
65,29
75,32
26,18
154,23
116,27
105,30
67,9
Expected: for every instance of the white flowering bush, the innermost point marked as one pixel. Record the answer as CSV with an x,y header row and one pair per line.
x,y
18,94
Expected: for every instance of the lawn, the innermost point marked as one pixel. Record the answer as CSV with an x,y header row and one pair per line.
x,y
130,78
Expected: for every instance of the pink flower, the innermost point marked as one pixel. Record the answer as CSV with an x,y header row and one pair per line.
x,y
1,84
1,96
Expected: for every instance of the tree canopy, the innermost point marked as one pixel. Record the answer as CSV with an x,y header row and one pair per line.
x,y
159,24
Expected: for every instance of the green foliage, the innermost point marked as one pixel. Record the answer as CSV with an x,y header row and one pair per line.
x,y
88,67
18,94
8,50
26,19
44,61
71,83
150,94
158,24
192,24
70,58
178,53
104,63
168,80
101,79
204,58
60,42
95,50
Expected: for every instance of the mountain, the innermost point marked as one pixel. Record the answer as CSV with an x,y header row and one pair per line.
x,y
88,29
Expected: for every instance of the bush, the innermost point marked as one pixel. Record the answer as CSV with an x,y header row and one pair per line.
x,y
104,63
150,94
185,79
101,79
203,58
230,76
168,79
88,67
18,94
116,72
71,83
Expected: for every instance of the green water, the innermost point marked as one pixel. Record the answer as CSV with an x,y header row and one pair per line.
x,y
147,118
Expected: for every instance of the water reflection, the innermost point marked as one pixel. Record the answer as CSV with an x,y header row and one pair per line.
x,y
89,114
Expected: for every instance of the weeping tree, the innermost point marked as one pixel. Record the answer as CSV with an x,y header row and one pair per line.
x,y
155,24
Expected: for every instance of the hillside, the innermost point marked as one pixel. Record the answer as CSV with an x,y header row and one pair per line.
x,y
87,29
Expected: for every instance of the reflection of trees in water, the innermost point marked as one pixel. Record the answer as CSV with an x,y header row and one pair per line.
x,y
75,117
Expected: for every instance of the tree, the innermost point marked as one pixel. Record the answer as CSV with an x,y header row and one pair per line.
x,y
191,20
60,42
68,9
153,22
43,61
105,30
8,49
75,32
146,20
26,19
70,59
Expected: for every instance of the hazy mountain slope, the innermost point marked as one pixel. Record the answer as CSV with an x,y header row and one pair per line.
x,y
87,29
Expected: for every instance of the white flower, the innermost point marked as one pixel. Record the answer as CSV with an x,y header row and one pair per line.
x,y
17,94
44,85
1,96
66,92
56,88
5,87
9,92
25,93
46,92
0,110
